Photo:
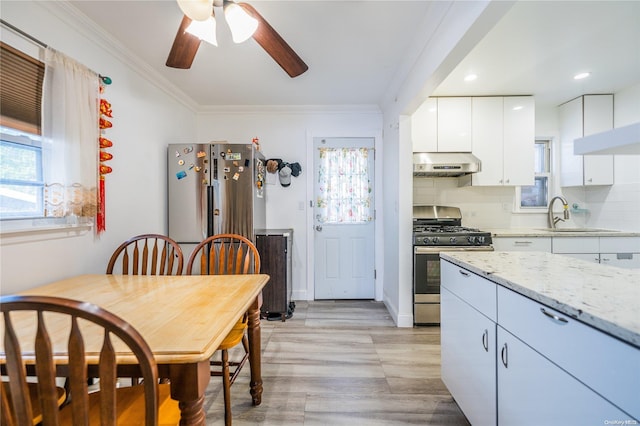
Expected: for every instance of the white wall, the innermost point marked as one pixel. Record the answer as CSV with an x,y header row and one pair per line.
x,y
287,133
145,120
457,27
613,207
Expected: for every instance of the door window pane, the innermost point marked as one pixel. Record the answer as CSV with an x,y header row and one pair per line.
x,y
344,186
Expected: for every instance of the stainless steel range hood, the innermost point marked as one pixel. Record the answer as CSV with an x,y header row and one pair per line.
x,y
444,164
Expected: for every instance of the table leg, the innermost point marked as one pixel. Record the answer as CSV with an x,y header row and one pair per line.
x,y
255,348
188,384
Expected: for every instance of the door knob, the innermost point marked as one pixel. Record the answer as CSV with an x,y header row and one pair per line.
x,y
318,228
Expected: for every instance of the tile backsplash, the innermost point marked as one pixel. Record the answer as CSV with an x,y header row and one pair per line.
x,y
611,207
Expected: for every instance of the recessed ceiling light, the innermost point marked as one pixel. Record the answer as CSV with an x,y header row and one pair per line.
x,y
470,77
581,75
517,107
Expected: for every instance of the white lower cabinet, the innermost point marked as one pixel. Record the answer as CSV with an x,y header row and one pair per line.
x,y
468,346
509,360
534,391
522,244
585,248
622,252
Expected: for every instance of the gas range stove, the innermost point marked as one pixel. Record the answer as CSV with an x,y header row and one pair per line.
x,y
442,226
451,236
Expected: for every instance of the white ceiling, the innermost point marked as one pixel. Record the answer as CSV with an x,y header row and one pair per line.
x,y
354,50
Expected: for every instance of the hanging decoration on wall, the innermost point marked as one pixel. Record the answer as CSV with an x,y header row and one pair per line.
x,y
104,143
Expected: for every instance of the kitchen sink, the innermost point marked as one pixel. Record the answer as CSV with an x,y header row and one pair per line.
x,y
576,230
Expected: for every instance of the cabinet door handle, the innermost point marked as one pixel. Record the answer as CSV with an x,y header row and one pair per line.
x,y
466,274
485,340
554,317
522,243
504,355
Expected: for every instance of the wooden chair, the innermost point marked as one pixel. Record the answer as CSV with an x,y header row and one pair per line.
x,y
147,404
33,396
227,254
147,254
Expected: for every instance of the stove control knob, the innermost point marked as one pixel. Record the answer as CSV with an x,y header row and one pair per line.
x,y
471,239
435,240
452,240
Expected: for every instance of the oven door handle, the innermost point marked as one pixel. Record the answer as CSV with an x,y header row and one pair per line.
x,y
438,249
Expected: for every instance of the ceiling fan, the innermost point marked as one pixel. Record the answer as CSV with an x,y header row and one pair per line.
x,y
201,13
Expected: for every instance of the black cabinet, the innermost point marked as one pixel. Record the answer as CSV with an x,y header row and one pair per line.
x,y
274,246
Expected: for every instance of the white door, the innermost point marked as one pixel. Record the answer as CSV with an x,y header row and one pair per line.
x,y
344,218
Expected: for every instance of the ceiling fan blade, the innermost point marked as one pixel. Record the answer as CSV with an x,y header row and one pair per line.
x,y
275,45
184,47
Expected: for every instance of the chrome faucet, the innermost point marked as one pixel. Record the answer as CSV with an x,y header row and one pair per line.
x,y
554,220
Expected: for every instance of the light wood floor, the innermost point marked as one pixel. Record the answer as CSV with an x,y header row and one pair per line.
x,y
342,363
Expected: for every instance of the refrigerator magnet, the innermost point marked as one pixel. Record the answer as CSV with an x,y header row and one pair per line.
x,y
227,169
180,162
191,166
198,168
188,149
181,174
236,176
177,153
240,169
201,154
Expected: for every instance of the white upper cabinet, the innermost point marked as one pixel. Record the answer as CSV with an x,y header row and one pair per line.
x,y
442,125
580,117
424,127
503,130
454,124
488,123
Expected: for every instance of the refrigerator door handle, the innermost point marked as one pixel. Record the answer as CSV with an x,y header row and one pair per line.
x,y
213,212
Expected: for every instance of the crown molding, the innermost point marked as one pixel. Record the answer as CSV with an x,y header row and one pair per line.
x,y
69,14
291,109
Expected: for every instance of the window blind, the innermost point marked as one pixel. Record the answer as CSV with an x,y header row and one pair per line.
x,y
21,79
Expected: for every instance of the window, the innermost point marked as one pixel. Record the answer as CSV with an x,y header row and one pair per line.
x,y
48,138
21,175
21,156
536,196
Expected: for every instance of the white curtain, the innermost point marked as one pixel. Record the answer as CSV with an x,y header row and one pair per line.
x,y
344,188
70,130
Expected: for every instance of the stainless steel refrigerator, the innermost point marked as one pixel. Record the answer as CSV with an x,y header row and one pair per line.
x,y
214,188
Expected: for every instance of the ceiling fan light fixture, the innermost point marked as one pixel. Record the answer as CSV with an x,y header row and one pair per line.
x,y
204,30
196,10
242,25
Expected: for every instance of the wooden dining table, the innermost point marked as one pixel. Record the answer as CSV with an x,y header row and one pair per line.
x,y
182,318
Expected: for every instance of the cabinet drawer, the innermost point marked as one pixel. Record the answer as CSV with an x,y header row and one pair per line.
x,y
608,366
619,245
576,245
473,289
522,244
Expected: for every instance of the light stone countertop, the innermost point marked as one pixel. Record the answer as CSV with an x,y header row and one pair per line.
x,y
542,232
604,297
